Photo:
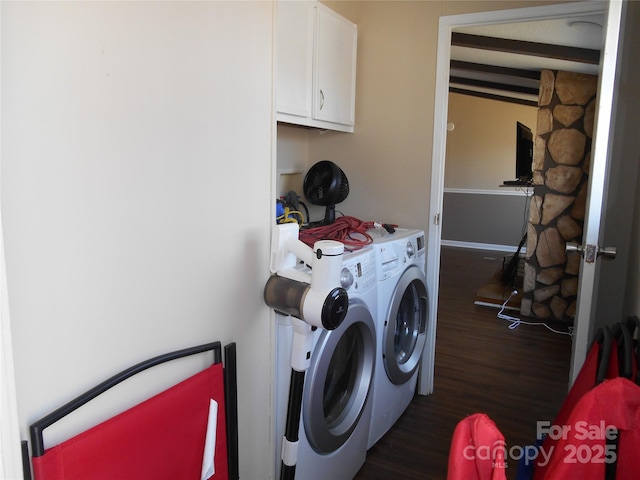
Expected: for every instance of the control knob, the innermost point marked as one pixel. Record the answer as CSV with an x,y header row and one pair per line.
x,y
346,278
411,250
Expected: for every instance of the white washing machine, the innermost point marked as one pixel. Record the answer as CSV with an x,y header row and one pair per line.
x,y
336,403
401,325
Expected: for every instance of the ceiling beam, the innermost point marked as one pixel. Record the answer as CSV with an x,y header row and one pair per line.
x,y
494,85
491,96
495,70
560,52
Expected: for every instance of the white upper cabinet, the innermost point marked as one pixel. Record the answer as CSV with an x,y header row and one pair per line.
x,y
294,67
316,66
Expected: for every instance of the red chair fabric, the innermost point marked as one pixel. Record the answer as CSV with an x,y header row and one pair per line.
x,y
161,438
477,450
582,452
585,381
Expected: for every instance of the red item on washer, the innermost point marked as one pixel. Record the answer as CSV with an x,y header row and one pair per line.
x,y
160,438
477,450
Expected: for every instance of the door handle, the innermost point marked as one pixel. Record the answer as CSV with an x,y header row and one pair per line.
x,y
608,253
591,252
572,247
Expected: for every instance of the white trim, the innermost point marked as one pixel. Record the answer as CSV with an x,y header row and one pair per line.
x,y
527,14
440,109
434,234
508,191
480,246
10,447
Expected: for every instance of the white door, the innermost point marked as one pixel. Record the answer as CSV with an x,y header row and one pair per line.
x,y
603,163
612,183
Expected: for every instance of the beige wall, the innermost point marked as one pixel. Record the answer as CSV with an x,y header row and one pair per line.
x,y
127,134
481,150
387,158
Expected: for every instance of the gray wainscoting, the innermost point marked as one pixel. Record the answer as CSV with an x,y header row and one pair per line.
x,y
495,220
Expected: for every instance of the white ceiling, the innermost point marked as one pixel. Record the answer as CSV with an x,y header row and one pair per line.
x,y
577,31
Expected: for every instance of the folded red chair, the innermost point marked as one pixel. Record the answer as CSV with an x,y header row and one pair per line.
x,y
601,362
633,324
163,437
477,450
587,450
610,357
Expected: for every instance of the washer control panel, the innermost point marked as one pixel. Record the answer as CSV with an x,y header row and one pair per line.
x,y
358,271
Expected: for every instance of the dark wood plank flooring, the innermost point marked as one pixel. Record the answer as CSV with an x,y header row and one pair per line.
x,y
517,377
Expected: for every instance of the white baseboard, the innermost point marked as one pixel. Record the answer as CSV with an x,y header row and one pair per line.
x,y
481,246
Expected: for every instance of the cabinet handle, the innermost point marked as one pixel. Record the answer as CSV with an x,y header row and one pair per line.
x,y
321,99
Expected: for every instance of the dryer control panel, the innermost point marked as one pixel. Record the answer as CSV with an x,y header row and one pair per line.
x,y
397,251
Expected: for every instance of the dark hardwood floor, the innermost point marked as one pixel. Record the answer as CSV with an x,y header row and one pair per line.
x,y
517,377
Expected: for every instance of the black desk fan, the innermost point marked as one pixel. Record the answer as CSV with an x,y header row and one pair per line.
x,y
325,184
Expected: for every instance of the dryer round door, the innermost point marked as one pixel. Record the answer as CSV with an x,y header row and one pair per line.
x,y
339,379
406,326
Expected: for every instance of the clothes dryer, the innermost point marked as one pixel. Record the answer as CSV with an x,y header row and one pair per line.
x,y
336,404
401,325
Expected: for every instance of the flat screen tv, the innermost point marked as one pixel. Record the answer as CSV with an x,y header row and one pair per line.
x,y
524,152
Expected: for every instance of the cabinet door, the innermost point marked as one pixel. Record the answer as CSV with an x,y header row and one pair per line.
x,y
335,68
294,62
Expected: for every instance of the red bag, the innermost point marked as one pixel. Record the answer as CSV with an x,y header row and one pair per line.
x,y
477,450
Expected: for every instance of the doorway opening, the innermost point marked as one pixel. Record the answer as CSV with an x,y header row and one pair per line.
x,y
446,28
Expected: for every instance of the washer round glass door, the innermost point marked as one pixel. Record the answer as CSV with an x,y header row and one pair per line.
x,y
339,379
406,326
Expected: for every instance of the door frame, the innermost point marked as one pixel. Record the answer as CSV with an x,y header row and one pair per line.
x,y
446,26
10,446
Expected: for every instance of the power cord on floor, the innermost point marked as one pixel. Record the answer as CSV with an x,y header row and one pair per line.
x,y
515,322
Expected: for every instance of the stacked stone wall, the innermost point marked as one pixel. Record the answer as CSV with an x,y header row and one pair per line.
x,y
561,162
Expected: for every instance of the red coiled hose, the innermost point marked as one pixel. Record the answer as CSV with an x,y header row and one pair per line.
x,y
349,230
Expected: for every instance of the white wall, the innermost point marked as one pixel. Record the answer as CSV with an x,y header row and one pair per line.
x,y
136,197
